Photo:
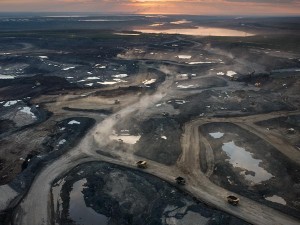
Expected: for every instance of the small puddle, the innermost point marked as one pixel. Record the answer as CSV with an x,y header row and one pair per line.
x,y
241,158
79,212
125,137
128,139
171,212
184,56
276,199
216,135
185,86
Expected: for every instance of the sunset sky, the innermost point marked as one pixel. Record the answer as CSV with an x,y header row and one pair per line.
x,y
198,7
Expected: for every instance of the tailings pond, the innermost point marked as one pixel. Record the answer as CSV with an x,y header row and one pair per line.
x,y
101,193
247,165
199,31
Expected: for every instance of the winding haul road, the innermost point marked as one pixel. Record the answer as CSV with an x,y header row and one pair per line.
x,y
201,187
35,208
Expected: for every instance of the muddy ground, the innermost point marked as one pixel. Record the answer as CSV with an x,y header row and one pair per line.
x,y
122,196
24,160
160,140
287,127
274,174
60,89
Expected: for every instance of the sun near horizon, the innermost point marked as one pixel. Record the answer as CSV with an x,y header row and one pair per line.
x,y
190,7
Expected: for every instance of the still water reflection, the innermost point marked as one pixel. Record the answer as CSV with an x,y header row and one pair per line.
x,y
78,210
199,31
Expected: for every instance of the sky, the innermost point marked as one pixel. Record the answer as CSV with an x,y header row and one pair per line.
x,y
193,7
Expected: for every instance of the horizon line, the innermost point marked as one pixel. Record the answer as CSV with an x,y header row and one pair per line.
x,y
145,14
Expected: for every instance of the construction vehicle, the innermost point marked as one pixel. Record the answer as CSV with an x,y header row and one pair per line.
x,y
180,180
291,131
257,84
233,200
141,164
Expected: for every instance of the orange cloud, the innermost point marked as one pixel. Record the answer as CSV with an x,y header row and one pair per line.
x,y
198,7
217,7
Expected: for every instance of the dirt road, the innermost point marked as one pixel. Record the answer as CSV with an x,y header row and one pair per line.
x,y
201,187
35,208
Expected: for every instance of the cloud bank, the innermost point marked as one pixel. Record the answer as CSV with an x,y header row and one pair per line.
x,y
198,7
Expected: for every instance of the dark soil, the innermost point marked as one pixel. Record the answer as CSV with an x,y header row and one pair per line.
x,y
285,181
140,199
152,146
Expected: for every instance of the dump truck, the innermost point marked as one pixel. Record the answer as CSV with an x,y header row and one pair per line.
x,y
257,84
233,200
291,131
141,164
180,180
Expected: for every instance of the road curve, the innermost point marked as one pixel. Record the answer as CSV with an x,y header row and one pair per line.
x,y
35,208
202,188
